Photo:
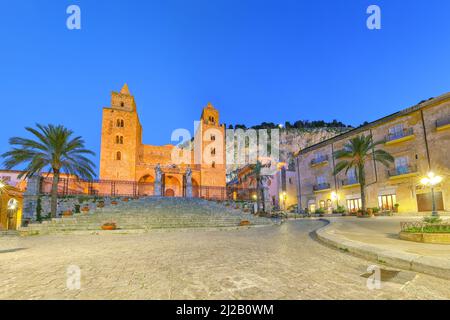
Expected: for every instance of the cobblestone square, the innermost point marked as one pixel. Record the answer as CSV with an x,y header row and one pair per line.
x,y
275,262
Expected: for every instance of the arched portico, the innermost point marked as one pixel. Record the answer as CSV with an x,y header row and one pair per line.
x,y
146,185
172,186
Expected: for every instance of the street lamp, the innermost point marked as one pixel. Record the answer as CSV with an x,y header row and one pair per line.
x,y
431,180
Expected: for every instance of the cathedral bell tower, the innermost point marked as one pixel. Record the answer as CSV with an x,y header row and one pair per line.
x,y
121,137
210,147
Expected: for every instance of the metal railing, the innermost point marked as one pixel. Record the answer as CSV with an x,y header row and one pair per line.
x,y
401,134
402,170
319,160
116,188
349,182
321,186
442,122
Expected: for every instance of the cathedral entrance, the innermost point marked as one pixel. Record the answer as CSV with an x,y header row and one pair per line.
x,y
146,185
172,186
170,193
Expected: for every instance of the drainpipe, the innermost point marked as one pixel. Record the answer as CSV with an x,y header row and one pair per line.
x,y
299,189
426,140
374,162
335,178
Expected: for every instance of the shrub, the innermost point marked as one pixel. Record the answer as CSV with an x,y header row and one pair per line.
x,y
77,208
339,209
432,220
39,210
320,211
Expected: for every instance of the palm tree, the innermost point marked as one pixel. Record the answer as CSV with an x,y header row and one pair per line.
x,y
355,154
52,149
6,188
256,175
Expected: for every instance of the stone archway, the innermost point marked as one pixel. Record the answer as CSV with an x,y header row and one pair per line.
x,y
170,193
146,185
172,186
195,189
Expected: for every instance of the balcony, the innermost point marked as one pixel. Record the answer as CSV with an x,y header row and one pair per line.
x,y
401,136
350,183
443,124
319,161
321,187
403,172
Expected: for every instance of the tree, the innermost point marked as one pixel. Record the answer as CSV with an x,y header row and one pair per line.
x,y
355,154
256,175
51,149
6,188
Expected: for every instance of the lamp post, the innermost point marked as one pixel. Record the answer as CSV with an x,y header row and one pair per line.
x,y
431,180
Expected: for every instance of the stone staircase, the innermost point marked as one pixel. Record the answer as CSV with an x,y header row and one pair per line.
x,y
147,214
8,233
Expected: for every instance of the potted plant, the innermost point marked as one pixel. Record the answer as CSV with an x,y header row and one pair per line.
x,y
67,213
396,207
101,204
376,211
114,202
244,223
85,209
109,226
126,199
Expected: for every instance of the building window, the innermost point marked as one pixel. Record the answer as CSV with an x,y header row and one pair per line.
x,y
396,131
387,202
118,155
322,204
120,123
353,205
213,137
122,104
213,152
119,139
401,165
321,180
213,165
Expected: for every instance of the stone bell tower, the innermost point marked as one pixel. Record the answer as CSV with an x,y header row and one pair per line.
x,y
210,148
121,137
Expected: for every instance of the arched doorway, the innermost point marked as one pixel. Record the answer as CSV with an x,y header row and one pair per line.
x,y
195,189
170,193
146,186
172,186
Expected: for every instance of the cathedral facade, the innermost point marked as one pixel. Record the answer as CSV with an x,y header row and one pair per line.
x,y
126,160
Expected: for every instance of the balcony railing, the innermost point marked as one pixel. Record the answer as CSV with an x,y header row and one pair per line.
x,y
401,134
349,182
319,160
321,186
399,171
443,122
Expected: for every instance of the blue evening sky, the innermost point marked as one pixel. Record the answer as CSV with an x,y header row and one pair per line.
x,y
273,60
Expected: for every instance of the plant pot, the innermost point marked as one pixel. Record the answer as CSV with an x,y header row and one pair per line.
x,y
100,205
85,210
114,203
125,200
244,223
109,226
67,213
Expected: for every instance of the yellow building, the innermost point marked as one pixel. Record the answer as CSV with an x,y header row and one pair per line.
x,y
10,209
124,157
419,140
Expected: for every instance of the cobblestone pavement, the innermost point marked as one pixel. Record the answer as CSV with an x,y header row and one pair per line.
x,y
277,262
